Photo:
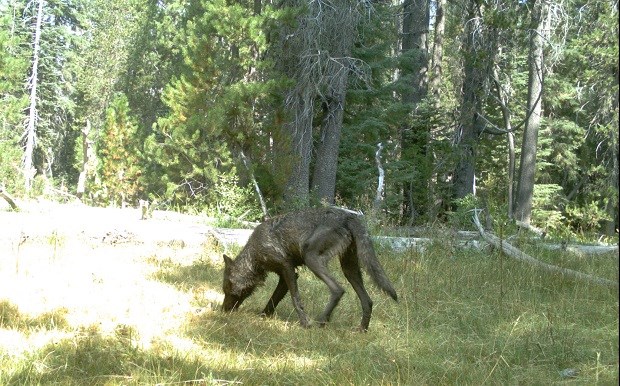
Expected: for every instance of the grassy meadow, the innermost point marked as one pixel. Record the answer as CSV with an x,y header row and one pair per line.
x,y
78,314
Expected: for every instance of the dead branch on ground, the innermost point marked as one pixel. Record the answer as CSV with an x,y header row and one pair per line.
x,y
516,253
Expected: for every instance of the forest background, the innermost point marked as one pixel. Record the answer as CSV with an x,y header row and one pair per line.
x,y
414,108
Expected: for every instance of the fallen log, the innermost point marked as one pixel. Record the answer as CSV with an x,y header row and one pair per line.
x,y
401,244
516,253
584,249
541,233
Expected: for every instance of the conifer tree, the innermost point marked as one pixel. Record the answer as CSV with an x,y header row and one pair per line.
x,y
217,102
120,156
13,102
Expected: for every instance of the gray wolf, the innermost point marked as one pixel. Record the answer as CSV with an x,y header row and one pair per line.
x,y
309,237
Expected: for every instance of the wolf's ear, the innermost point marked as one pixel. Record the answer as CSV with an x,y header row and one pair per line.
x,y
227,260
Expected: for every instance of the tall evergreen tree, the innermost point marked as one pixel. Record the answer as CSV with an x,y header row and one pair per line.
x,y
120,156
13,65
216,103
415,135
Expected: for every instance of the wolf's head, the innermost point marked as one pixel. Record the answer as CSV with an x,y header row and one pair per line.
x,y
234,291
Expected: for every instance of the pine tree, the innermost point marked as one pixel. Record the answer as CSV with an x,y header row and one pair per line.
x,y
13,102
120,155
217,103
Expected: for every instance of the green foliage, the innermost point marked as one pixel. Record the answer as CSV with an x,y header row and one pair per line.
x,y
56,97
120,155
10,162
373,115
461,218
13,65
585,220
214,103
201,86
548,201
233,203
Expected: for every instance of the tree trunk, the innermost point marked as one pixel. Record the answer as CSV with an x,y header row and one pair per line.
x,y
299,131
87,160
8,198
414,140
29,170
437,57
340,28
434,90
315,54
527,169
414,45
474,84
502,98
324,177
381,180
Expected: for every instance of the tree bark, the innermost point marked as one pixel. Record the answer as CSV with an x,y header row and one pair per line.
x,y
437,56
87,160
299,131
415,140
340,28
315,54
29,170
414,43
474,83
325,168
381,179
527,169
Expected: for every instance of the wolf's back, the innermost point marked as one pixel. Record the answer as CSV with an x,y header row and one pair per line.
x,y
366,253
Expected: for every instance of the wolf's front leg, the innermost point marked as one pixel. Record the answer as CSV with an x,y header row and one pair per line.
x,y
278,295
290,279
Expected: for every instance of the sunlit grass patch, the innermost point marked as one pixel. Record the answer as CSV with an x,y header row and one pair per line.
x,y
12,318
132,315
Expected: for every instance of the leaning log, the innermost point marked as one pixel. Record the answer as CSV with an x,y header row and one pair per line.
x,y
516,253
7,197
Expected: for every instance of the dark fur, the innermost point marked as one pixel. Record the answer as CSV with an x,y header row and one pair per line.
x,y
309,237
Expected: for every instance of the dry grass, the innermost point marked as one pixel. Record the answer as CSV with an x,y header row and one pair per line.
x,y
76,311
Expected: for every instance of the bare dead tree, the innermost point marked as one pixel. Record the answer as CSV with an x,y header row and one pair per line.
x,y
315,53
30,133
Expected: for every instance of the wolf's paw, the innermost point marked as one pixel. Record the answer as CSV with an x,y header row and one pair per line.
x,y
322,322
361,329
305,323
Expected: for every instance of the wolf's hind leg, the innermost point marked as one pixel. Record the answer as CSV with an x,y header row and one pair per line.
x,y
351,269
316,265
325,243
278,295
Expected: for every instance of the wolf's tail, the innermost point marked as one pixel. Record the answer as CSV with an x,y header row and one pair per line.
x,y
366,253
